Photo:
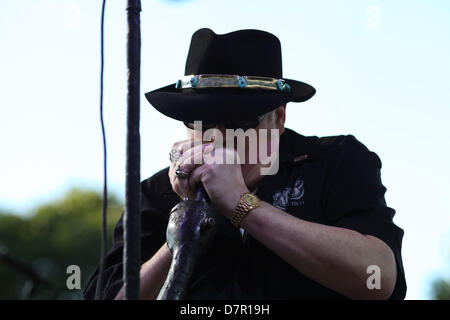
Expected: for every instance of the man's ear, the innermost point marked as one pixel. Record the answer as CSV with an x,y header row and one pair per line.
x,y
280,117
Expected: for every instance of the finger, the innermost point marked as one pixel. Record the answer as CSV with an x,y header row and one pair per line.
x,y
183,189
196,159
195,179
184,145
177,144
181,186
181,146
193,148
194,154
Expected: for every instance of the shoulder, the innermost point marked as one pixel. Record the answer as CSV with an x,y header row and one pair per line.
x,y
349,161
348,149
337,147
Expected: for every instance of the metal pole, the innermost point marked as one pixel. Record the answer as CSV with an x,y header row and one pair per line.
x,y
132,218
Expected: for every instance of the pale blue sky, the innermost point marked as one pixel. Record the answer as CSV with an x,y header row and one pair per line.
x,y
385,81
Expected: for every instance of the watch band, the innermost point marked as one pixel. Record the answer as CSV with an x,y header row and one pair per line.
x,y
242,209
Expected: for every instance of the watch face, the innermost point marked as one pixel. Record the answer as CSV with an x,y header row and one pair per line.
x,y
251,199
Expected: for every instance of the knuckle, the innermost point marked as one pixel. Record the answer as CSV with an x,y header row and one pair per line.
x,y
177,144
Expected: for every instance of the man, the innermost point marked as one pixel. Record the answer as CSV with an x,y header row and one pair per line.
x,y
316,228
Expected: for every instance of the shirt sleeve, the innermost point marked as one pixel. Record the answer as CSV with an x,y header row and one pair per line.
x,y
153,229
354,199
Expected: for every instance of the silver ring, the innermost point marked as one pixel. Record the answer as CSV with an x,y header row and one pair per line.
x,y
181,174
174,155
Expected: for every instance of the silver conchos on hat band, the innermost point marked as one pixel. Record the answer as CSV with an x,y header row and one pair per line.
x,y
205,81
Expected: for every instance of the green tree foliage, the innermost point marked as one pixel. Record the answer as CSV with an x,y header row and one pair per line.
x,y
441,289
54,236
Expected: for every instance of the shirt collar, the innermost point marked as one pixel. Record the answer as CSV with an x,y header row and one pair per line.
x,y
295,147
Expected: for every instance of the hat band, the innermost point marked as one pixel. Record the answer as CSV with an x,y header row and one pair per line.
x,y
205,81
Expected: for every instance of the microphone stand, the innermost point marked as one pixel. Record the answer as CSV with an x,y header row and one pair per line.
x,y
132,215
193,217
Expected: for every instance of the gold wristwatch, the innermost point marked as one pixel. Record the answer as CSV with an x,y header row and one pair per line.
x,y
248,202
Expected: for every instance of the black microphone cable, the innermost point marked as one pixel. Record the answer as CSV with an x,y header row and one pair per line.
x,y
99,287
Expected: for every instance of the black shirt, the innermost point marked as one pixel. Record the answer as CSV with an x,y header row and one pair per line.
x,y
333,180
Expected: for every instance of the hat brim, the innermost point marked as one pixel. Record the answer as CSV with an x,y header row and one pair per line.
x,y
224,103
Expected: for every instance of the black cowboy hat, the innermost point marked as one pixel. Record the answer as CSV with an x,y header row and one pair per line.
x,y
234,76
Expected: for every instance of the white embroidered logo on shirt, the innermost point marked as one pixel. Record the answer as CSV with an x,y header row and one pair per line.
x,y
290,196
